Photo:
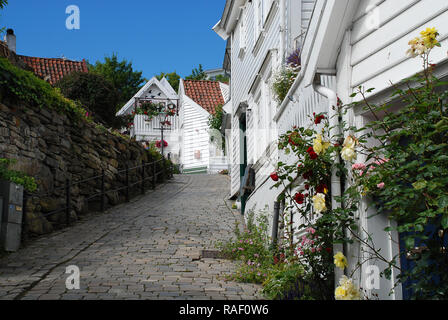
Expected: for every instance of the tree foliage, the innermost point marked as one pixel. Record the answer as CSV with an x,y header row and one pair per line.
x,y
172,77
121,75
3,4
197,74
97,94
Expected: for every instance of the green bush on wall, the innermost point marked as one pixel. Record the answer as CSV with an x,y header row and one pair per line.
x,y
16,177
18,85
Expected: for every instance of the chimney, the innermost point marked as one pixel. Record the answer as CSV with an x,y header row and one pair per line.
x,y
11,40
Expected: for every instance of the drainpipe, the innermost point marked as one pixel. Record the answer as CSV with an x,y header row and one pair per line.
x,y
333,116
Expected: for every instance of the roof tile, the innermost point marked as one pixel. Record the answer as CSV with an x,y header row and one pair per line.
x,y
53,69
205,93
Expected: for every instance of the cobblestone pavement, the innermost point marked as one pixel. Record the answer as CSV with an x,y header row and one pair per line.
x,y
146,249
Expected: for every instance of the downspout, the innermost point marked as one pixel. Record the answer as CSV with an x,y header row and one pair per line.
x,y
333,117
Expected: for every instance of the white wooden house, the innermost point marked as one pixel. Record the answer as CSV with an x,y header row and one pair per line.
x,y
344,44
198,101
148,131
260,34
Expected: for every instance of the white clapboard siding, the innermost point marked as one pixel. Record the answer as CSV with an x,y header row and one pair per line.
x,y
246,65
307,11
378,54
235,157
195,134
298,113
245,68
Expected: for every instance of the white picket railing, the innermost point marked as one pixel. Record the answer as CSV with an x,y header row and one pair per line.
x,y
143,127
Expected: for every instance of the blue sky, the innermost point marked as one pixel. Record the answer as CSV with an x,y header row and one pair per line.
x,y
155,35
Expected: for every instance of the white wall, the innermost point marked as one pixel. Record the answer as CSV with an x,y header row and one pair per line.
x,y
195,133
378,55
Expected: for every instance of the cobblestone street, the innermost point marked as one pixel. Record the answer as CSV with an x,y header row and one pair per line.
x,y
146,249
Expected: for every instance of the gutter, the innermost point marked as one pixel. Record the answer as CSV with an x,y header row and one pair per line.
x,y
336,190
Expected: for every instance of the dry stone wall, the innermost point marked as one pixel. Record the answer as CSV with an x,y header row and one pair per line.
x,y
52,148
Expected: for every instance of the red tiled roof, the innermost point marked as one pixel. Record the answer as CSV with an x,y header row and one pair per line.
x,y
205,93
53,69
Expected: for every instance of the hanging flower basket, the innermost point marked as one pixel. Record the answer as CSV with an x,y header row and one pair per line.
x,y
159,144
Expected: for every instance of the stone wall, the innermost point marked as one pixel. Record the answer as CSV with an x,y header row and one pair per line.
x,y
52,148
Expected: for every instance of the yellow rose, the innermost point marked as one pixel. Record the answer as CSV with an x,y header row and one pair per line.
x,y
348,151
320,146
340,260
429,37
319,203
340,293
347,290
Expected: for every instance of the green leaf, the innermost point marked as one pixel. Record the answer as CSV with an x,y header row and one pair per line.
x,y
443,202
419,185
444,221
410,243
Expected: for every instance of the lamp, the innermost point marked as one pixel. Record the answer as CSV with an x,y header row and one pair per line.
x,y
162,116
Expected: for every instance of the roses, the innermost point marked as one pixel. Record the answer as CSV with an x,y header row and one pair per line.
x,y
322,188
421,45
274,176
299,198
313,155
319,203
347,290
340,260
294,138
320,146
348,149
318,119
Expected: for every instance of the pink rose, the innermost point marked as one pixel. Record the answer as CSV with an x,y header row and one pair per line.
x,y
380,185
359,166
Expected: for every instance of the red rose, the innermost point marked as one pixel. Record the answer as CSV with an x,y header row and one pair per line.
x,y
307,186
294,138
318,119
329,250
321,188
313,155
307,175
299,198
310,149
274,176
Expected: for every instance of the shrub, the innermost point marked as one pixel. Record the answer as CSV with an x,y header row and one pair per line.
x,y
17,85
282,82
16,177
286,282
96,93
